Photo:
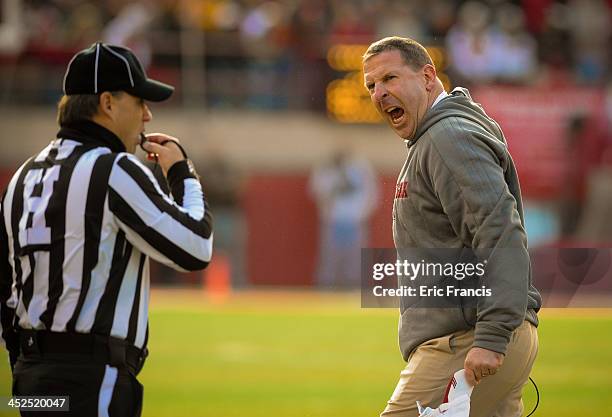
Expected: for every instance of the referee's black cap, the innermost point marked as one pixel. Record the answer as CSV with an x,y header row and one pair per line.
x,y
103,67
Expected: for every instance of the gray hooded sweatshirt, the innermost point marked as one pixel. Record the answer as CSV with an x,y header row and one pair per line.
x,y
459,189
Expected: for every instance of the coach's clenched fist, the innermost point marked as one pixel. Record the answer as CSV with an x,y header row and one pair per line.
x,y
480,363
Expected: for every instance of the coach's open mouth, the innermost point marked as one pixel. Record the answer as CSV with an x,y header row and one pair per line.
x,y
396,114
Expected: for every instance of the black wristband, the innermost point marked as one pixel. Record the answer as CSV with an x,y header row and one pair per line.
x,y
179,171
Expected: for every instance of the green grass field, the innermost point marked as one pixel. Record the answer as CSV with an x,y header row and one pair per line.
x,y
295,354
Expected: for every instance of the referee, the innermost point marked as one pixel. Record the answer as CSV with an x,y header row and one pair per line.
x,y
78,223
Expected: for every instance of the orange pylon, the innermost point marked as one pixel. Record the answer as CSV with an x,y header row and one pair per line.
x,y
217,278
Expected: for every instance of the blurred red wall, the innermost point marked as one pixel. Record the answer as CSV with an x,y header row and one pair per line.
x,y
534,121
283,228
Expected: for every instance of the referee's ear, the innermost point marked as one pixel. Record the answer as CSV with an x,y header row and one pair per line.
x,y
106,105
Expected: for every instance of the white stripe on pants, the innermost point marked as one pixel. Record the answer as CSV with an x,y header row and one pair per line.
x,y
106,390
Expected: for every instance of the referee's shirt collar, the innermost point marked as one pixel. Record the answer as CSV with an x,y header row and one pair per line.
x,y
91,133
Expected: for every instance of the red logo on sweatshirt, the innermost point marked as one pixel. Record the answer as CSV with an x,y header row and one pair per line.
x,y
401,190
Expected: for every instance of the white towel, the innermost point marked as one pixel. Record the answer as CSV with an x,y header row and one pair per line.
x,y
456,400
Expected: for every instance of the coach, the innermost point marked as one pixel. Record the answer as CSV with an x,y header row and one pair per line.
x,y
461,191
78,224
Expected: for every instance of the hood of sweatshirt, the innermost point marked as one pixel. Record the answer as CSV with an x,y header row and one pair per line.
x,y
457,104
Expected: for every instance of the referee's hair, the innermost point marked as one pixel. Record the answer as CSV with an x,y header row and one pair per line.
x,y
78,107
413,53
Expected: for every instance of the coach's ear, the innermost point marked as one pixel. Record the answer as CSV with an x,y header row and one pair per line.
x,y
430,76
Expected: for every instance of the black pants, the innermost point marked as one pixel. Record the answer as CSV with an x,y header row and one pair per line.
x,y
94,389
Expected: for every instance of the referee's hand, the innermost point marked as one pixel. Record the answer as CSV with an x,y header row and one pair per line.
x,y
167,154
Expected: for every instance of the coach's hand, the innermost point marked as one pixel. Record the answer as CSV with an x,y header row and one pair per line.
x,y
480,363
167,154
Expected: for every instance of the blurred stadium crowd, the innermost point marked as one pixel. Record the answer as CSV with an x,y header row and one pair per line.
x,y
270,43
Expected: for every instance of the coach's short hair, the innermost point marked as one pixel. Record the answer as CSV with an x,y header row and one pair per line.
x,y
78,107
413,53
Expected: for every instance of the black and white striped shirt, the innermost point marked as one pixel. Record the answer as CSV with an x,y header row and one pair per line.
x,y
79,221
